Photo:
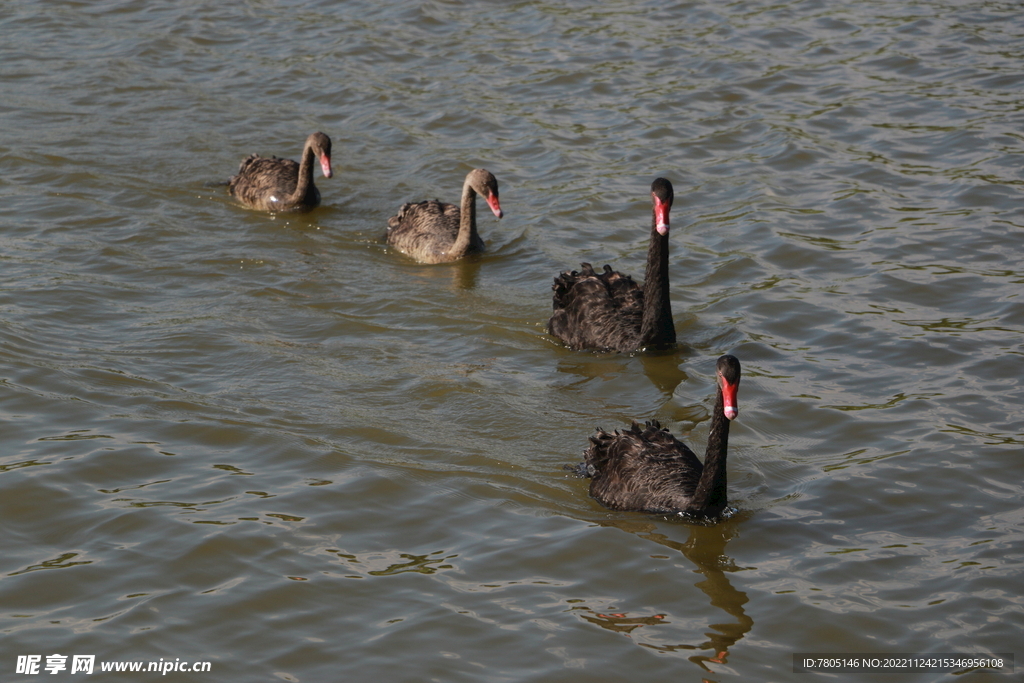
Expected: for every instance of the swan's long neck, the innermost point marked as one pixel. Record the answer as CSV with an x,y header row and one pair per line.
x,y
710,495
656,327
467,221
305,173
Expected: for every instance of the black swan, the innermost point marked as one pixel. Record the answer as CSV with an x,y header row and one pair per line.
x,y
281,184
434,232
609,311
649,470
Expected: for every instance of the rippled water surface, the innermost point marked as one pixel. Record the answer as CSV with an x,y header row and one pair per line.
x,y
271,443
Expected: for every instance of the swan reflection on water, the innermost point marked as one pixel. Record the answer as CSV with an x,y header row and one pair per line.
x,y
705,549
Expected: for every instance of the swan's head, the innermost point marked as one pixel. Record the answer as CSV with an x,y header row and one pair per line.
x,y
661,195
321,146
485,184
728,371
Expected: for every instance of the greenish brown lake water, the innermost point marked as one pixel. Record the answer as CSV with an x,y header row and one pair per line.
x,y
270,443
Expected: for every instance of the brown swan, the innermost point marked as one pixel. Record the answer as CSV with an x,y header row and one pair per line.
x,y
434,232
281,184
649,470
609,311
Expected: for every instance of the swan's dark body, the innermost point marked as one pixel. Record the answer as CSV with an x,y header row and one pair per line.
x,y
608,310
273,184
435,232
646,469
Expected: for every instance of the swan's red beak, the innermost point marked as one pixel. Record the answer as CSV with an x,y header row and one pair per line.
x,y
325,165
729,402
661,209
492,201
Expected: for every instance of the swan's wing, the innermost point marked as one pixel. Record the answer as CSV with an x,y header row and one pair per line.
x,y
596,311
260,180
643,469
424,227
627,294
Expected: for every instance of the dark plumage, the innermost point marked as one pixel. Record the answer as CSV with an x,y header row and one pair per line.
x,y
281,184
649,470
435,232
609,311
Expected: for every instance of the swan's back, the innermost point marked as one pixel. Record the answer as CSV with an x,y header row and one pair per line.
x,y
597,310
641,469
427,230
263,182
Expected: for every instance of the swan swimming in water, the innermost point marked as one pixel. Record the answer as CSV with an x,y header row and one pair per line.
x,y
434,232
646,469
273,184
608,311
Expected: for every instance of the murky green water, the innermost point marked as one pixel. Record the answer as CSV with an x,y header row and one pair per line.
x,y
271,444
